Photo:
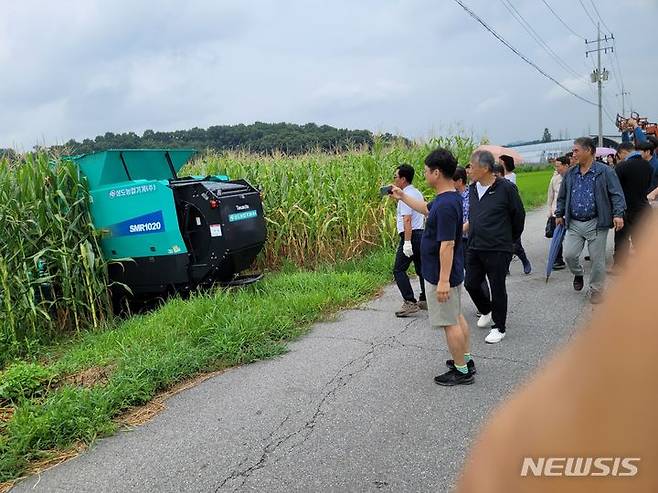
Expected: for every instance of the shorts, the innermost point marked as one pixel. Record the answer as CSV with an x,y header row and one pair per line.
x,y
444,314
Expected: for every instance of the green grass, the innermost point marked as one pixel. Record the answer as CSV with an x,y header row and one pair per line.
x,y
148,353
533,186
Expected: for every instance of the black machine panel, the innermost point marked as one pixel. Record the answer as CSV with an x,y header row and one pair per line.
x,y
222,225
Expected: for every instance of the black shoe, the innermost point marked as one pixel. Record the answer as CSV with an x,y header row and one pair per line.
x,y
471,365
578,283
454,377
559,265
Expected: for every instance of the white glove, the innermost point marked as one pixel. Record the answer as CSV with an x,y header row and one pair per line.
x,y
407,249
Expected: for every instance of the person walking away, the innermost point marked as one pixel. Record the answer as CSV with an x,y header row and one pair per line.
x,y
410,230
635,175
589,203
496,221
561,167
508,165
442,263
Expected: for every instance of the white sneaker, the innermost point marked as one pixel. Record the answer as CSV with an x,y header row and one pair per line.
x,y
494,336
485,321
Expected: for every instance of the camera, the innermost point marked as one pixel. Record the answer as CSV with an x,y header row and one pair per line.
x,y
386,190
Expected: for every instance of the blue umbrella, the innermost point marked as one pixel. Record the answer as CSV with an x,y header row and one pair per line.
x,y
558,236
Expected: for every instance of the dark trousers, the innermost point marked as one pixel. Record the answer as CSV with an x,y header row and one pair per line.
x,y
559,258
481,265
623,237
485,284
402,263
520,252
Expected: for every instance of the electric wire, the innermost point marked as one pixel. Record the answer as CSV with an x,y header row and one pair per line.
x,y
519,54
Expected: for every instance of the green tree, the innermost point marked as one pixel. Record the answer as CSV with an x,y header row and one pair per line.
x,y
547,136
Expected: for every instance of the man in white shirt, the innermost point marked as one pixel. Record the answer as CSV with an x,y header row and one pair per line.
x,y
410,225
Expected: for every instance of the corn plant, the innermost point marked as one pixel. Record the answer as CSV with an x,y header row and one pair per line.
x,y
323,207
52,275
319,207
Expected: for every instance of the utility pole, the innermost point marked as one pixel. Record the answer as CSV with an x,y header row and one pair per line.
x,y
598,75
623,102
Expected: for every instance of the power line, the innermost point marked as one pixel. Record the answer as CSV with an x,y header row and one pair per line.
x,y
616,74
599,16
587,78
562,21
520,55
614,58
587,12
529,29
605,109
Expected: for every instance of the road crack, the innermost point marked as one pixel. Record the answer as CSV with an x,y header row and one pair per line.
x,y
341,379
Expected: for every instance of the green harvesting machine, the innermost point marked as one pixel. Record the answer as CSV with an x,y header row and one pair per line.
x,y
163,233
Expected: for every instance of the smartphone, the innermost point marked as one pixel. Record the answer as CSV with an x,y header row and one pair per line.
x,y
386,190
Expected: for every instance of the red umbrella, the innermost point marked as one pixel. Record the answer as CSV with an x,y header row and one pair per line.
x,y
498,151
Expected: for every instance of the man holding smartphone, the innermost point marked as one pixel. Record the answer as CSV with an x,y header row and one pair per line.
x,y
410,225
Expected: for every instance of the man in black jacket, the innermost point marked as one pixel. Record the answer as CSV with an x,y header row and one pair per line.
x,y
635,175
496,220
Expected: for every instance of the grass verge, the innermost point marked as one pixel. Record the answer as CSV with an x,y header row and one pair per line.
x,y
75,393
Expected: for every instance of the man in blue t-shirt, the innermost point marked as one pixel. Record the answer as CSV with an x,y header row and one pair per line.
x,y
442,262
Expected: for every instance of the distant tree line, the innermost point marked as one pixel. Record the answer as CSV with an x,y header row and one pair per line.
x,y
258,138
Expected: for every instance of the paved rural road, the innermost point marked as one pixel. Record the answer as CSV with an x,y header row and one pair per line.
x,y
352,406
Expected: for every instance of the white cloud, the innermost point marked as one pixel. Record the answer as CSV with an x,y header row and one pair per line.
x,y
78,68
490,104
580,86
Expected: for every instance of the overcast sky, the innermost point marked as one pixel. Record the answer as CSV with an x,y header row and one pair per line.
x,y
78,68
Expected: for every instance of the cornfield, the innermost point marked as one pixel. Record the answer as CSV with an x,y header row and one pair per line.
x,y
324,207
52,276
319,207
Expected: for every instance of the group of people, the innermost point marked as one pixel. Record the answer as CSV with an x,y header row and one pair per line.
x,y
468,234
589,197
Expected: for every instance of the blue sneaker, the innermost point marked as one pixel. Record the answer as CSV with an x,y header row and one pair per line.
x,y
527,268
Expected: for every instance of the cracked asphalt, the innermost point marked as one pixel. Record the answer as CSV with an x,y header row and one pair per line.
x,y
351,407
